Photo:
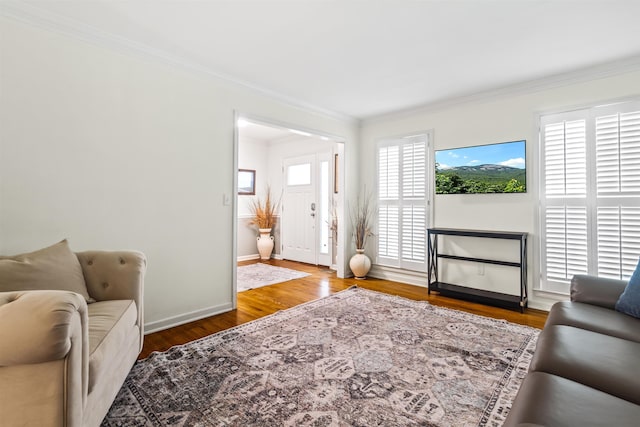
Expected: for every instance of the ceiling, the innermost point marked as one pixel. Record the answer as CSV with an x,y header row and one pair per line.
x,y
363,59
262,132
271,133
276,134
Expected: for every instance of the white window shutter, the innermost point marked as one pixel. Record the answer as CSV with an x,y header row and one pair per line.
x,y
566,242
618,153
388,231
556,243
607,154
630,152
576,158
577,241
590,227
388,172
609,249
618,241
554,159
402,212
414,236
565,159
618,183
414,170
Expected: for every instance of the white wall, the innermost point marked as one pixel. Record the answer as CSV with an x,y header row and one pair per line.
x,y
252,154
500,119
114,151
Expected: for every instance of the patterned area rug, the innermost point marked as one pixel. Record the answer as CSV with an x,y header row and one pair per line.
x,y
356,358
256,275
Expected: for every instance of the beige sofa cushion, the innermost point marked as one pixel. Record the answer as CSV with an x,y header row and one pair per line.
x,y
112,325
53,268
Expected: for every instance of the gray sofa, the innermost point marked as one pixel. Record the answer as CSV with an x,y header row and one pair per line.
x,y
586,367
62,361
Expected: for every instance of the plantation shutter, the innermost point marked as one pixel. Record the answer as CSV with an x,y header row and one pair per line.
x,y
590,194
617,138
388,209
564,214
414,220
402,203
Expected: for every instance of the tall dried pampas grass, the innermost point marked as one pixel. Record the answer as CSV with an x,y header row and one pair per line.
x,y
362,219
264,212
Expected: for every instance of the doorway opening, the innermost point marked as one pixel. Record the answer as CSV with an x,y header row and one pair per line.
x,y
301,169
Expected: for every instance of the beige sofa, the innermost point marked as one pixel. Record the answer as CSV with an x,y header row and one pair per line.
x,y
62,361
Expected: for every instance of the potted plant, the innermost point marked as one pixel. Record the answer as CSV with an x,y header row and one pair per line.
x,y
264,217
361,219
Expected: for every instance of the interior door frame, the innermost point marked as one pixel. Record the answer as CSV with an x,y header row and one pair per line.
x,y
339,196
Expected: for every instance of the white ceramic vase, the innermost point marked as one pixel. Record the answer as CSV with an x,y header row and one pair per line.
x,y
360,264
265,243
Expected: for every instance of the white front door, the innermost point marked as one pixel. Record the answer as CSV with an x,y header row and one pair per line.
x,y
305,208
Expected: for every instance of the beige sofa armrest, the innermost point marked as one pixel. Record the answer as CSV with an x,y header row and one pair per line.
x,y
44,358
596,290
114,275
38,326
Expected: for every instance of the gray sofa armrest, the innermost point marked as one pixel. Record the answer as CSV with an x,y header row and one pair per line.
x,y
596,290
40,326
115,275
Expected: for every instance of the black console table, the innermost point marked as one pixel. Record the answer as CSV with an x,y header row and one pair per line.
x,y
466,292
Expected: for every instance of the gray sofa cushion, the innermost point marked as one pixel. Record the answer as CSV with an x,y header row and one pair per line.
x,y
595,318
599,361
550,400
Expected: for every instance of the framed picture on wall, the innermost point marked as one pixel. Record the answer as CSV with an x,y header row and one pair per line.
x,y
246,182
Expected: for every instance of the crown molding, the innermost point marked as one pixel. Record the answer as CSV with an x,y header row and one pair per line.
x,y
622,66
44,19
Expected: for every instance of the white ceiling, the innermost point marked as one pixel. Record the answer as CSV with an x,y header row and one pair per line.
x,y
274,134
263,132
368,58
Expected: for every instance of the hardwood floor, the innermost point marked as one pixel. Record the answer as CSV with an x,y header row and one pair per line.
x,y
322,282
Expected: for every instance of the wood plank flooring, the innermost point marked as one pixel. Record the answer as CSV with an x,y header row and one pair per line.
x,y
322,282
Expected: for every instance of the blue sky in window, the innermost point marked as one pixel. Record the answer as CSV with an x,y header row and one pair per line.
x,y
506,154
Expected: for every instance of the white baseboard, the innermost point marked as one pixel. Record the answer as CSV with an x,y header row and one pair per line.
x,y
539,305
257,256
539,302
181,319
416,278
